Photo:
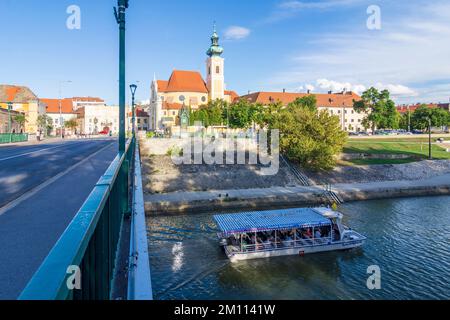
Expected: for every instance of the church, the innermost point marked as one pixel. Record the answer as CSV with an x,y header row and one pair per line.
x,y
188,89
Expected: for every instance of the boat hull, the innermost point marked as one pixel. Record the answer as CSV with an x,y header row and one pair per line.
x,y
290,251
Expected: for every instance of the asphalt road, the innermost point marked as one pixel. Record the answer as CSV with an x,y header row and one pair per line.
x,y
42,187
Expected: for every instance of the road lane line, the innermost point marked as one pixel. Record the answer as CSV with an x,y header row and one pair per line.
x,y
40,150
35,190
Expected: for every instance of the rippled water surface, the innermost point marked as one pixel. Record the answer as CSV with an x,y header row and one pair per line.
x,y
409,239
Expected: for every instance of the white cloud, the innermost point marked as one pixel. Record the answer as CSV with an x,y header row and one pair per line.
x,y
408,56
335,86
397,90
236,33
325,85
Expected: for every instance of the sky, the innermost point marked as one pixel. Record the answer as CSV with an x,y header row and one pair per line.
x,y
269,45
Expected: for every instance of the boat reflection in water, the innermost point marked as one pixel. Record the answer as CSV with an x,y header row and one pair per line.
x,y
263,234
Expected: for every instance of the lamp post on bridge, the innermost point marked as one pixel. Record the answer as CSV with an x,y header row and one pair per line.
x,y
119,13
133,89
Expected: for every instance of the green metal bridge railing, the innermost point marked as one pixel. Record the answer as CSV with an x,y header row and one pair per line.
x,y
13,137
88,248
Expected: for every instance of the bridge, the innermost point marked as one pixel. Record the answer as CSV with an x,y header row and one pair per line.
x,y
73,209
72,220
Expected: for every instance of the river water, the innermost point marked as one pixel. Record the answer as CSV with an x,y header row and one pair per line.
x,y
409,239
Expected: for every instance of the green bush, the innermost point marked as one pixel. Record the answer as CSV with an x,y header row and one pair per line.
x,y
150,135
174,151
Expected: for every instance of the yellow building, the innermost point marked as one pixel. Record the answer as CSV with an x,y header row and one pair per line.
x,y
23,100
187,88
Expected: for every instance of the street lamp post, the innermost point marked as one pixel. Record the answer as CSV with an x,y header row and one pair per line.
x,y
133,88
120,18
429,139
60,107
10,121
409,119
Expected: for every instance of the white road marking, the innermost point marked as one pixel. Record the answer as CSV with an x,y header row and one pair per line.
x,y
35,190
40,150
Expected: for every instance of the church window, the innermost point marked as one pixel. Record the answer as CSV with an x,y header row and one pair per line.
x,y
217,69
203,99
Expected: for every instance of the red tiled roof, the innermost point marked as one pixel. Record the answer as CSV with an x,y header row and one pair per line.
x,y
16,94
52,105
11,93
172,106
141,113
185,81
162,85
412,108
323,99
232,94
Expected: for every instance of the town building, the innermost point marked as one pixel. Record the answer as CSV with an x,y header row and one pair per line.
x,y
100,119
60,111
337,104
142,119
23,100
79,102
188,89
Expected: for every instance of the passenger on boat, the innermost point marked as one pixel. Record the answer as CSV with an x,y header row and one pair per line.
x,y
317,234
234,241
288,241
336,233
307,234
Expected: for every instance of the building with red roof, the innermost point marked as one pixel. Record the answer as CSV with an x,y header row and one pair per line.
x,y
22,100
189,89
339,104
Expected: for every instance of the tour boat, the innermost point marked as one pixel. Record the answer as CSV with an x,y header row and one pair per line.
x,y
263,234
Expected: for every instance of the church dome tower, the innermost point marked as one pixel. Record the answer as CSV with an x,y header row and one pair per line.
x,y
215,79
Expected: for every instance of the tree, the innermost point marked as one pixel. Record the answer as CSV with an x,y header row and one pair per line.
x,y
420,117
381,110
44,122
71,124
310,137
309,102
240,115
211,114
20,119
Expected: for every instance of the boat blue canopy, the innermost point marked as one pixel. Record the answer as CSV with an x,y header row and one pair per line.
x,y
270,220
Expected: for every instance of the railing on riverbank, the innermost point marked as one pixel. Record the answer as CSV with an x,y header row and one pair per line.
x,y
13,137
81,266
